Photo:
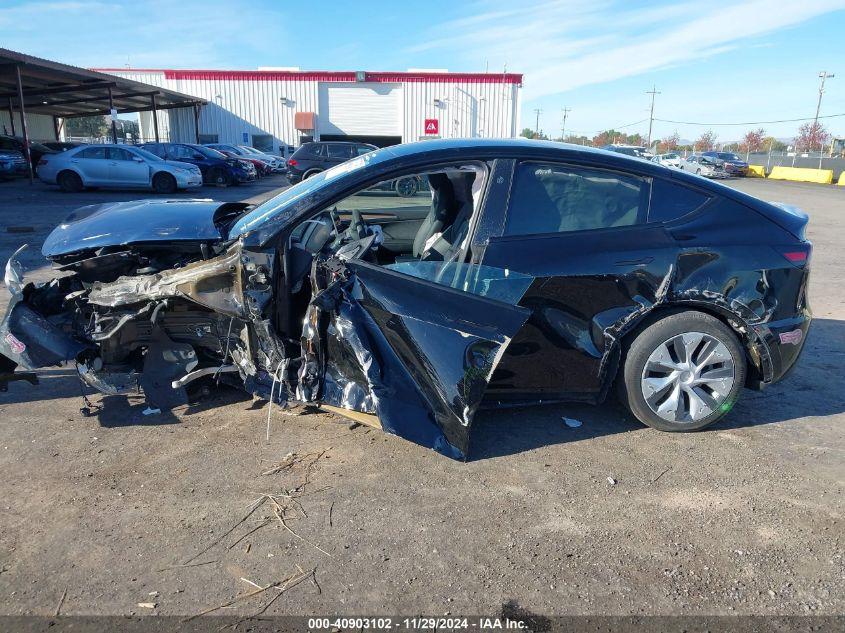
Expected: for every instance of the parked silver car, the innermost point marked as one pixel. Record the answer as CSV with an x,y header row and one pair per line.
x,y
669,159
703,166
116,166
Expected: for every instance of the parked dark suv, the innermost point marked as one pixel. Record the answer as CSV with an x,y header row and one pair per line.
x,y
36,150
216,168
312,158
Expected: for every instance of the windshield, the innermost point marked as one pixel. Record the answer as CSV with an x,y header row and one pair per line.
x,y
249,150
727,156
147,155
270,215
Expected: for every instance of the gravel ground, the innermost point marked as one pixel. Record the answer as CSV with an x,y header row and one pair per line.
x,y
744,518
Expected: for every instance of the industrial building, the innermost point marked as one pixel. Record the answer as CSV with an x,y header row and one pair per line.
x,y
274,108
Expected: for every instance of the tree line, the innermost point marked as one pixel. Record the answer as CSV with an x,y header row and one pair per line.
x,y
811,137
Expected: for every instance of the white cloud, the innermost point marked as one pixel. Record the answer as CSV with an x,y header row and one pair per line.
x,y
567,44
160,33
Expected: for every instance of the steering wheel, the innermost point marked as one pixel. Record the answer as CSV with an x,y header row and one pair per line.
x,y
355,231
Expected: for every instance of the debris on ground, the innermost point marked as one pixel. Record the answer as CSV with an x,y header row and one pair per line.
x,y
147,605
151,411
611,481
572,423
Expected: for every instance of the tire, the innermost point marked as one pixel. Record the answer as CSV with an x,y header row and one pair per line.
x,y
406,187
220,177
693,395
698,171
308,174
70,181
164,183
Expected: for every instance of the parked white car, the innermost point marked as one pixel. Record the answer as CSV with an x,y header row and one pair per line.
x,y
116,167
670,159
703,166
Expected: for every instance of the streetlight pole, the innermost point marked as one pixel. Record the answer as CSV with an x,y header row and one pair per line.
x,y
822,75
651,92
537,112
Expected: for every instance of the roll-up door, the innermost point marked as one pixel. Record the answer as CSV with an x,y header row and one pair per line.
x,y
362,109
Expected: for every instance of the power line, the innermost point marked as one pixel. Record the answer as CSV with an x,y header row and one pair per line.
x,y
827,116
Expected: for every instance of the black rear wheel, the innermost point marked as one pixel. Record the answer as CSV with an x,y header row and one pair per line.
x,y
683,372
406,187
70,181
164,183
220,177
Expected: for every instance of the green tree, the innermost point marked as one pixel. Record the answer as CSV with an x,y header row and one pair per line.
x,y
86,126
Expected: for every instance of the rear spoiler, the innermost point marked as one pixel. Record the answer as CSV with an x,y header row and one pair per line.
x,y
790,217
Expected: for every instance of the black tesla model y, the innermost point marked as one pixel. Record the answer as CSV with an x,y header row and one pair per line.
x,y
519,272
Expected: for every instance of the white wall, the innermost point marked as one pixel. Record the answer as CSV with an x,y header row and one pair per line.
x,y
238,106
40,126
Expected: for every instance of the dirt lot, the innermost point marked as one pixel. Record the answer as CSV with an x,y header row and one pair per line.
x,y
744,518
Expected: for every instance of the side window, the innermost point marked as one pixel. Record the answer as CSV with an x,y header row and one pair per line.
x,y
315,150
117,153
549,198
155,148
360,150
670,201
92,152
338,151
177,152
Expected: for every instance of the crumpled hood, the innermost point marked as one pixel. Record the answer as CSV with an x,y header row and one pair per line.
x,y
120,223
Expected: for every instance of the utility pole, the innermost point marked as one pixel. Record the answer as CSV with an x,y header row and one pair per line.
x,y
537,112
563,124
822,75
653,92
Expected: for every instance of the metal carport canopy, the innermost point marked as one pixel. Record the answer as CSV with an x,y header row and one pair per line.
x,y
40,86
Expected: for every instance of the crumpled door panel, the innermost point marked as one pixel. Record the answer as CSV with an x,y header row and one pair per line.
x,y
415,352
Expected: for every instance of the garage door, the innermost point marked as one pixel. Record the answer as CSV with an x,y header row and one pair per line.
x,y
365,109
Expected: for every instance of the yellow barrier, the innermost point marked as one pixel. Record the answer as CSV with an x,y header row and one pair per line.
x,y
841,180
757,171
802,174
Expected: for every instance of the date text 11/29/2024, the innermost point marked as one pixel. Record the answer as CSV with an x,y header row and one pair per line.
x,y
420,623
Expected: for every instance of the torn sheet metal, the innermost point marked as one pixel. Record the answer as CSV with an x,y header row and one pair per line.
x,y
416,354
213,283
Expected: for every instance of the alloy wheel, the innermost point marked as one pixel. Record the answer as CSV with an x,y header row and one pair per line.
x,y
688,377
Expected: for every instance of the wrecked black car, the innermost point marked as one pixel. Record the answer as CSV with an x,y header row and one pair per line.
x,y
526,272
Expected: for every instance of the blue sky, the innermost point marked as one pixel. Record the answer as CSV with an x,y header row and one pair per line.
x,y
712,61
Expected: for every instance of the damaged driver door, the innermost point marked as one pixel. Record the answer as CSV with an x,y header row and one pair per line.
x,y
414,344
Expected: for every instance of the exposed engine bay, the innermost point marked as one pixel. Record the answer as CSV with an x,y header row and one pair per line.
x,y
160,317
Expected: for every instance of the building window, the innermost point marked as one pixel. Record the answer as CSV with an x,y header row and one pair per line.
x,y
209,138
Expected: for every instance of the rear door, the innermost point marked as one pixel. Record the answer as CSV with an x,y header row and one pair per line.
x,y
93,165
584,233
337,153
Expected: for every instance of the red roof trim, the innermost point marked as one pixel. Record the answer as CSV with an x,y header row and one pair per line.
x,y
319,75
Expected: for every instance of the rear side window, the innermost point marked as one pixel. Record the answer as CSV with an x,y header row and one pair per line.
x,y
549,198
338,151
670,201
155,148
310,150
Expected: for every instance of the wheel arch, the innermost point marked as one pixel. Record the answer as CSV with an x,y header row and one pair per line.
x,y
757,356
71,170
